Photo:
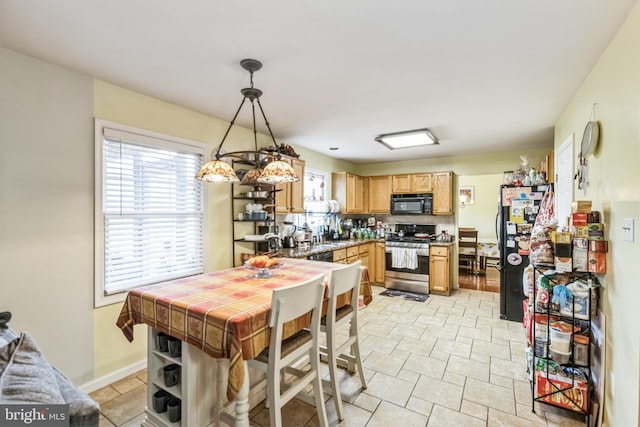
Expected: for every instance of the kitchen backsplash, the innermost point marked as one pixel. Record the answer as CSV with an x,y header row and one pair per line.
x,y
443,223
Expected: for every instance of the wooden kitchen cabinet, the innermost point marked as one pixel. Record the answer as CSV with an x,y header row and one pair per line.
x,y
340,256
363,255
440,269
353,254
379,194
290,196
348,190
411,183
377,271
442,193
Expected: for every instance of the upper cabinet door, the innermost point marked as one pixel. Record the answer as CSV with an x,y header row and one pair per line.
x,y
421,183
290,197
296,189
401,184
442,193
411,183
348,190
379,194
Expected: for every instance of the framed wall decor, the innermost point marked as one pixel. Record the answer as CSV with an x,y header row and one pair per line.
x,y
466,195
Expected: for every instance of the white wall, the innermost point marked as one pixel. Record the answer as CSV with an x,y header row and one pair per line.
x,y
46,208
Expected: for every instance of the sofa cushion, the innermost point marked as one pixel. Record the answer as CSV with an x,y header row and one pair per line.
x,y
83,411
27,377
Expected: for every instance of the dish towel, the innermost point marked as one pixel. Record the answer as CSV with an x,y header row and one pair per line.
x,y
404,258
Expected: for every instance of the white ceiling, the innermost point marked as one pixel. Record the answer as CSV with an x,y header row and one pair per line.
x,y
483,75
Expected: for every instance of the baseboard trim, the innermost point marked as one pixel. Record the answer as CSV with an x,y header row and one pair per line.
x,y
112,377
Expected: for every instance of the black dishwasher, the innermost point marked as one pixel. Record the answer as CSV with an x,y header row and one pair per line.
x,y
322,256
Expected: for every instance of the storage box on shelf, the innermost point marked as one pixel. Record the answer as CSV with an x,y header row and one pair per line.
x,y
559,331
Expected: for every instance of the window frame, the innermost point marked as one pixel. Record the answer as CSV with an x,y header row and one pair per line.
x,y
144,137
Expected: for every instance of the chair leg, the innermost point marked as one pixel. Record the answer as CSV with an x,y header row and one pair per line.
x,y
273,399
333,372
355,349
318,395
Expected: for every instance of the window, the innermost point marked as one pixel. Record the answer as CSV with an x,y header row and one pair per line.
x,y
149,209
315,190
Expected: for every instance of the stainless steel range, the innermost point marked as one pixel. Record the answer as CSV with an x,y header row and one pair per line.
x,y
407,257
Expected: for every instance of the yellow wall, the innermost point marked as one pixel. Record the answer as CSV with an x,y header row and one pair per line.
x,y
477,164
614,174
116,104
482,214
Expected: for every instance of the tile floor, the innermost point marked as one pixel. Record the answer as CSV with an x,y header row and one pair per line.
x,y
449,361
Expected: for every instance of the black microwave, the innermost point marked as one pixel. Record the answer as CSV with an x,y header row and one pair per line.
x,y
411,204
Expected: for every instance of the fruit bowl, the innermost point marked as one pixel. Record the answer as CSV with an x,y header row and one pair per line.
x,y
262,264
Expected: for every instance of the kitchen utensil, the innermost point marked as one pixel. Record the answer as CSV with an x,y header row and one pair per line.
x,y
590,138
288,242
250,207
258,194
254,237
255,215
302,236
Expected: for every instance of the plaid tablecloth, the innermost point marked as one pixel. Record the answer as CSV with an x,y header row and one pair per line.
x,y
224,313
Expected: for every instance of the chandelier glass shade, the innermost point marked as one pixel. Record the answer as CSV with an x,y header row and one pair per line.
x,y
275,171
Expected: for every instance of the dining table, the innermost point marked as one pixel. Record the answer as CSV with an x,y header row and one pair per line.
x,y
225,314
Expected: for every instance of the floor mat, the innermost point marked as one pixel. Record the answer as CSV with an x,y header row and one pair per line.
x,y
409,296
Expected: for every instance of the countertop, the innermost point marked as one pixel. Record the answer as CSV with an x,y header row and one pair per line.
x,y
336,245
323,247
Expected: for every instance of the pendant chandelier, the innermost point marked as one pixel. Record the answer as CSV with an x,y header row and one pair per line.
x,y
275,170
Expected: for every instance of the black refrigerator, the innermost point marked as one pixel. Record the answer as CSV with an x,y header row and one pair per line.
x,y
518,208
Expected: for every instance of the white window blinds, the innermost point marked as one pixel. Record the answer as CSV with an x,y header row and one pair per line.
x,y
152,210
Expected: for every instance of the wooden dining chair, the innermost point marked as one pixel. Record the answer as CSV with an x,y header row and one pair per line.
x,y
343,280
468,249
287,304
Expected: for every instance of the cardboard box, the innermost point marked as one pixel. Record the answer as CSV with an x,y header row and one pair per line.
x,y
572,398
580,243
582,302
597,262
563,264
596,235
580,259
598,246
581,206
580,232
578,219
561,237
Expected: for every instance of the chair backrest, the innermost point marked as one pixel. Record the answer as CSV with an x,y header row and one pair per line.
x,y
345,279
468,237
291,302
